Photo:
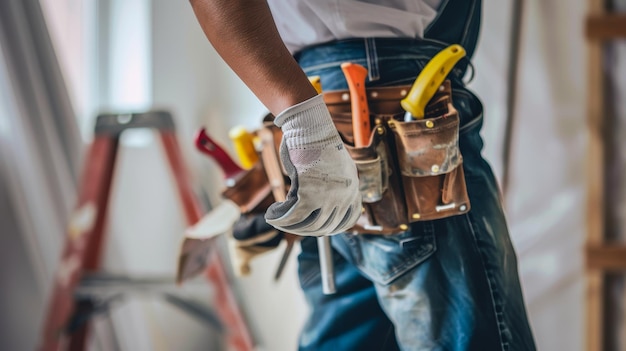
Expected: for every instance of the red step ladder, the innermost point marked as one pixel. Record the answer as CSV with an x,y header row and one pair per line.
x,y
84,243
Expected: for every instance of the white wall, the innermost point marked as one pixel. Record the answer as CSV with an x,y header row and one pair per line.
x,y
545,201
22,294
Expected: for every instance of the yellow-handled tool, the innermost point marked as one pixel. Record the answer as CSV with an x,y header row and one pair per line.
x,y
429,80
244,146
316,83
355,77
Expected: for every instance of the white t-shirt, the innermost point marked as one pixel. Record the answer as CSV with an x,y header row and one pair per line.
x,y
307,22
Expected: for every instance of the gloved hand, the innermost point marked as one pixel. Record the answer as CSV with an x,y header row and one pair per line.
x,y
324,196
252,236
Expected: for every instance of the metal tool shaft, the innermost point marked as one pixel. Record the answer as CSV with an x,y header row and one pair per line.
x,y
326,265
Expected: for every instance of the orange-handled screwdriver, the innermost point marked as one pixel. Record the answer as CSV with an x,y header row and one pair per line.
x,y
355,76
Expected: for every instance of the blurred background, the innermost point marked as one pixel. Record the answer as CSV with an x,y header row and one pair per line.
x,y
560,160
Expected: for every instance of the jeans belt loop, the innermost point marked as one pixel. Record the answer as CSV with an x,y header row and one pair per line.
x,y
373,72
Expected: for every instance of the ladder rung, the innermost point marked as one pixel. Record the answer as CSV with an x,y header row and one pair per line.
x,y
116,123
609,257
603,27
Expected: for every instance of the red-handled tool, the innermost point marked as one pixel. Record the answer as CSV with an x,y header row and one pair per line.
x,y
355,76
208,146
221,218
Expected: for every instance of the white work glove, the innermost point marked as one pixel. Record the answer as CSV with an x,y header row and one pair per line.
x,y
324,195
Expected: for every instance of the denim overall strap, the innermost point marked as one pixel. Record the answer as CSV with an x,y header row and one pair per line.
x,y
448,28
372,59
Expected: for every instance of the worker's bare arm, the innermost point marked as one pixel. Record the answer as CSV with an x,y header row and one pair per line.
x,y
244,34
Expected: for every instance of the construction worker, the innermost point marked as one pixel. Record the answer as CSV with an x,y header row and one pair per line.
x,y
448,284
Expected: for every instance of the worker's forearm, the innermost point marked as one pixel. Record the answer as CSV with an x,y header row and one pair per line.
x,y
244,34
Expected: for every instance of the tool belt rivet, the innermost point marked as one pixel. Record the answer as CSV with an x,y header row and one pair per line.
x,y
434,168
463,208
430,124
403,227
345,97
416,216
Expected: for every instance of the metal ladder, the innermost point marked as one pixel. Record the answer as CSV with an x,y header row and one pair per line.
x,y
81,289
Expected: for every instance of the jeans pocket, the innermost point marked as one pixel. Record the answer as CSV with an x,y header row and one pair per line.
x,y
384,258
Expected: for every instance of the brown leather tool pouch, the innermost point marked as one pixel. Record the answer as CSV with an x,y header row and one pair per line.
x,y
381,190
431,166
251,190
410,171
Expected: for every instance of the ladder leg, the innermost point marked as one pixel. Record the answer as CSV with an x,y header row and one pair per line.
x,y
86,231
225,302
83,246
78,337
596,226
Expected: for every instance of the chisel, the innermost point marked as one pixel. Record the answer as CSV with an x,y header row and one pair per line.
x,y
429,80
355,77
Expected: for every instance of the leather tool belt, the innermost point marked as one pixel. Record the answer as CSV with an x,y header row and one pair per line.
x,y
410,170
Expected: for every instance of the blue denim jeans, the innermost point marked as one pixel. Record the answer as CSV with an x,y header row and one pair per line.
x,y
448,284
